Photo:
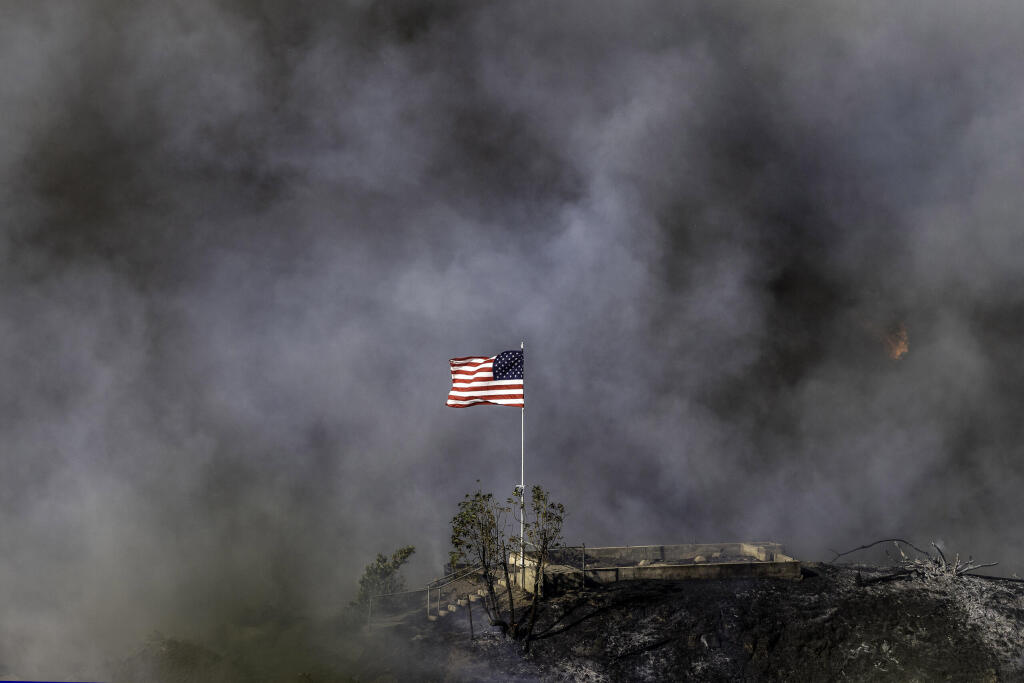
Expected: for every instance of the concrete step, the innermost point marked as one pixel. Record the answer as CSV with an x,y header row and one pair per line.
x,y
463,602
431,617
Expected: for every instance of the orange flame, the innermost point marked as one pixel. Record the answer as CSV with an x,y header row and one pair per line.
x,y
897,341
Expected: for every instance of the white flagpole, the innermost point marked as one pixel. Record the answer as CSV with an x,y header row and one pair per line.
x,y
522,472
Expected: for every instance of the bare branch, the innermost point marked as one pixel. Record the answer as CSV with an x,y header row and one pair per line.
x,y
903,555
933,566
940,554
871,545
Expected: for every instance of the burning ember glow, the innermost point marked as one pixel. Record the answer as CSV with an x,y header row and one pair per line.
x,y
897,342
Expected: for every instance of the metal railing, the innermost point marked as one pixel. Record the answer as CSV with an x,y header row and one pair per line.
x,y
445,581
438,585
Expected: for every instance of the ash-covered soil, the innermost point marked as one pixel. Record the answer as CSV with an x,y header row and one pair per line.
x,y
836,624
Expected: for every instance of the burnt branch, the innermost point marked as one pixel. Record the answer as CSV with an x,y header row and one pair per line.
x,y
931,566
872,545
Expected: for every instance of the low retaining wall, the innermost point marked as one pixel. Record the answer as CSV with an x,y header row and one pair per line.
x,y
659,563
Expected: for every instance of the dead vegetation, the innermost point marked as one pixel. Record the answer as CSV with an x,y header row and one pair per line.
x,y
921,564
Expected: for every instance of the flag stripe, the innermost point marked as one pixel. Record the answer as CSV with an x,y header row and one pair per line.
x,y
471,363
472,371
505,385
484,376
463,395
477,401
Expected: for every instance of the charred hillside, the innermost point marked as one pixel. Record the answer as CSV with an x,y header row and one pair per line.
x,y
838,623
856,623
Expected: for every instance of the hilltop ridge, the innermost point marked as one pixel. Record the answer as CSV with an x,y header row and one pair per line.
x,y
857,623
837,623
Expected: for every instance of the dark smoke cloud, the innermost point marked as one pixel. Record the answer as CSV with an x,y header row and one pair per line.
x,y
240,240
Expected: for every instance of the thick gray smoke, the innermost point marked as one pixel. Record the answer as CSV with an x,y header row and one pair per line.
x,y
240,240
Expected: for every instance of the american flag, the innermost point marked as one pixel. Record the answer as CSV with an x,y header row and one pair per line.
x,y
478,380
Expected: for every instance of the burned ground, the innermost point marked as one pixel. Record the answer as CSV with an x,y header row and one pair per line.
x,y
826,627
839,623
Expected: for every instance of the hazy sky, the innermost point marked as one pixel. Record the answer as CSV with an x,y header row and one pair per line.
x,y
240,241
